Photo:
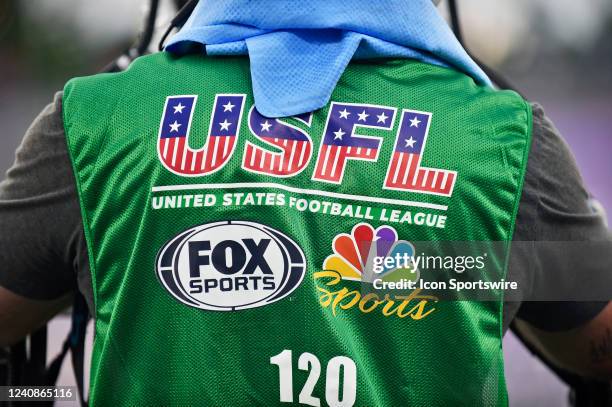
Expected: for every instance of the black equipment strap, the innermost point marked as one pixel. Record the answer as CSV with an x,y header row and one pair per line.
x,y
75,342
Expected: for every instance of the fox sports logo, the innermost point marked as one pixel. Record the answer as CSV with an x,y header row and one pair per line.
x,y
230,265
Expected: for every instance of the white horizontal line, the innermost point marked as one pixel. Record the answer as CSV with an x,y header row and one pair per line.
x,y
246,185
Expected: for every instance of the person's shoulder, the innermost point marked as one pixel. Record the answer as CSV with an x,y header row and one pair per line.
x,y
560,187
149,72
142,69
45,136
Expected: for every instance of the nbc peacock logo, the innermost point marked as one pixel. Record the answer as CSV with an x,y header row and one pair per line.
x,y
369,255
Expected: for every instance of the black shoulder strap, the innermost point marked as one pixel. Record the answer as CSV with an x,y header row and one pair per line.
x,y
75,342
181,17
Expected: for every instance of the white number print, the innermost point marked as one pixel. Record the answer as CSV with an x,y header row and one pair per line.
x,y
336,367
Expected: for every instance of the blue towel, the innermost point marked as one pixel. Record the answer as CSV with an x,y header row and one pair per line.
x,y
299,49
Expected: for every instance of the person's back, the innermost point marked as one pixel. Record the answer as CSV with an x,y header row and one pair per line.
x,y
262,233
231,255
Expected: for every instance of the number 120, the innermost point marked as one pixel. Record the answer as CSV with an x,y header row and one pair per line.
x,y
309,362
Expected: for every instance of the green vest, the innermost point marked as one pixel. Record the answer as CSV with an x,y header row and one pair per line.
x,y
232,254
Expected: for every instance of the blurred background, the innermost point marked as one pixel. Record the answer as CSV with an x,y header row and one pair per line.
x,y
558,53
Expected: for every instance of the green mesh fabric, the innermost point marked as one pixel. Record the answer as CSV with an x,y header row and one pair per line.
x,y
151,349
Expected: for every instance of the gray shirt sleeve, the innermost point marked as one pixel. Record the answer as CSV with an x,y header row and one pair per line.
x,y
42,248
556,207
43,252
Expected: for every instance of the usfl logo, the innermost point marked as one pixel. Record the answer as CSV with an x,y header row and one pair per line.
x,y
285,150
356,255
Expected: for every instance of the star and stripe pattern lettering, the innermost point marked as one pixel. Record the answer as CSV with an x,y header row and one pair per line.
x,y
173,145
285,150
340,143
405,172
294,144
